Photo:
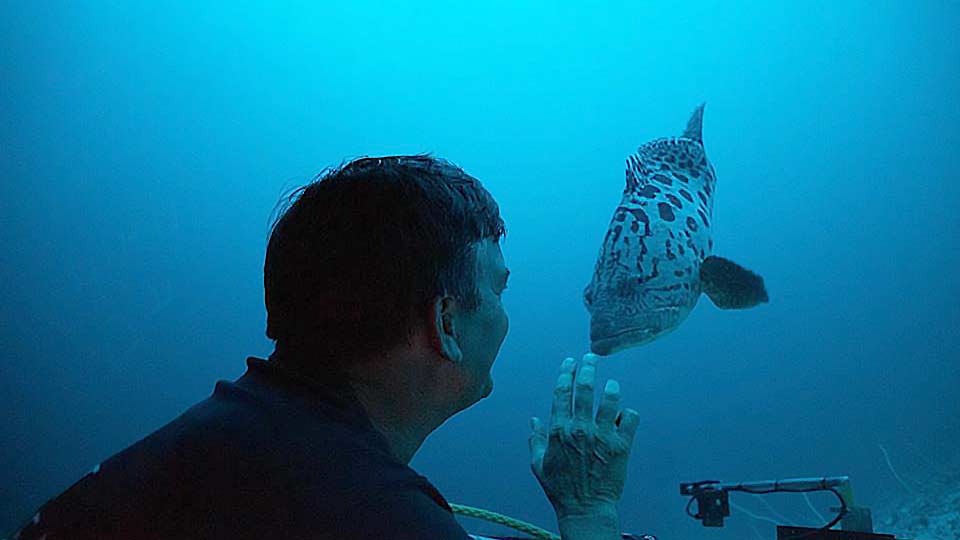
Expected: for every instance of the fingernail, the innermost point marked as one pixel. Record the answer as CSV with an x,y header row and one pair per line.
x,y
612,387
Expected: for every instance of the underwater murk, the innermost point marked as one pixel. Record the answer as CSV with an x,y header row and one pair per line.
x,y
793,163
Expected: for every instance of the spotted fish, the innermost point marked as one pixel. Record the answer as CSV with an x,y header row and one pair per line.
x,y
656,257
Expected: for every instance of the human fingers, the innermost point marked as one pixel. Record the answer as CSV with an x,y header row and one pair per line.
x,y
627,426
583,392
563,394
607,411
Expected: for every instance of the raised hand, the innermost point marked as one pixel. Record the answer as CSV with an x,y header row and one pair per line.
x,y
580,459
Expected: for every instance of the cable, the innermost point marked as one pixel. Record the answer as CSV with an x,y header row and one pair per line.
x,y
516,524
689,504
840,514
886,456
810,505
777,489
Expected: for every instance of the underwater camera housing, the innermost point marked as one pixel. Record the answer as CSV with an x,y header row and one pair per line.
x,y
713,505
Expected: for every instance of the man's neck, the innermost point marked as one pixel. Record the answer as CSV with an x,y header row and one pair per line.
x,y
395,395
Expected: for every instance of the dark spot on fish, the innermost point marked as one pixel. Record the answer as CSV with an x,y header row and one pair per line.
x,y
641,216
649,191
666,211
678,273
669,158
674,200
692,224
703,218
686,195
624,289
695,173
686,285
663,179
620,217
680,177
634,226
706,187
664,167
710,244
680,249
702,197
616,232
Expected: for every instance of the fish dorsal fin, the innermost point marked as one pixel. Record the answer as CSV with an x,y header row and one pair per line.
x,y
695,125
636,173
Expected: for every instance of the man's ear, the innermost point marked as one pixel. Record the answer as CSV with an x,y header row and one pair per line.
x,y
446,329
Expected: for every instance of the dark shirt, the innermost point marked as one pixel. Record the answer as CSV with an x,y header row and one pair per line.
x,y
270,455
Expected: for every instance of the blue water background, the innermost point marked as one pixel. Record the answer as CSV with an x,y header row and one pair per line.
x,y
143,147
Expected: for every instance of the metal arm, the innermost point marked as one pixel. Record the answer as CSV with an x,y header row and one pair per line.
x,y
712,498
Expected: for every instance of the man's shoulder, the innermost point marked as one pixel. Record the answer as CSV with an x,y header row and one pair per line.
x,y
252,457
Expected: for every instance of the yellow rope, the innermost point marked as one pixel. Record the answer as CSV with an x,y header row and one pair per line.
x,y
516,524
494,517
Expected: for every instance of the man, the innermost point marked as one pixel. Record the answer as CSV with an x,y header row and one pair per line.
x,y
382,283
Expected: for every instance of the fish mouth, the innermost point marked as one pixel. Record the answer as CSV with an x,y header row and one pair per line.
x,y
608,345
633,336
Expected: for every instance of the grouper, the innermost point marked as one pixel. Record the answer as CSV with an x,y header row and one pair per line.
x,y
657,257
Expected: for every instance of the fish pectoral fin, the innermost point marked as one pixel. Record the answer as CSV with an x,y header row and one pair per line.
x,y
731,286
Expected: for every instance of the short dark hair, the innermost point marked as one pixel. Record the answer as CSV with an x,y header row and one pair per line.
x,y
361,251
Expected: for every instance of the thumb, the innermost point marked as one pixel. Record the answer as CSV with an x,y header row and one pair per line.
x,y
629,420
538,444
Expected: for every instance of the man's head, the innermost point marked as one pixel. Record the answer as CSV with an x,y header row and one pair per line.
x,y
472,337
378,250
